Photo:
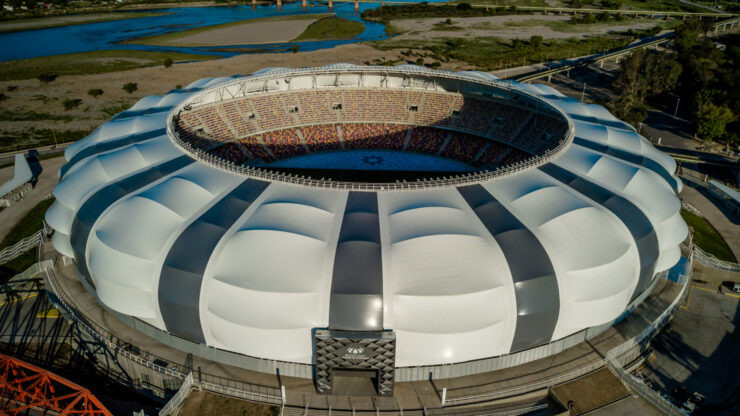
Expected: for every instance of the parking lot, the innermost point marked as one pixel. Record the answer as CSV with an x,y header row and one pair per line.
x,y
699,350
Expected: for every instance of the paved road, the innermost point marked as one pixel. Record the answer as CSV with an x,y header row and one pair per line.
x,y
700,350
45,185
726,224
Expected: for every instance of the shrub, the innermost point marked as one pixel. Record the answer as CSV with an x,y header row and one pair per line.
x,y
167,62
11,88
464,6
46,77
603,17
130,87
294,49
420,61
448,21
95,92
178,87
70,103
436,65
3,97
536,41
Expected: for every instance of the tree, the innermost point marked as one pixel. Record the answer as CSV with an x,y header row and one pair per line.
x,y
95,92
167,62
711,119
448,21
631,85
436,65
130,87
661,73
536,40
47,77
464,7
420,61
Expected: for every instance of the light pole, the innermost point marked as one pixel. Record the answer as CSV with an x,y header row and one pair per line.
x,y
583,93
676,111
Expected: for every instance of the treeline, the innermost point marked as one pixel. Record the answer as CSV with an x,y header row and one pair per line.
x,y
703,73
422,10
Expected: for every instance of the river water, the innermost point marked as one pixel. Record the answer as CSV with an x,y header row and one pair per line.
x,y
109,35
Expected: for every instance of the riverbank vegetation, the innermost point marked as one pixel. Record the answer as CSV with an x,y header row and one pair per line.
x,y
332,28
84,63
490,53
424,10
72,20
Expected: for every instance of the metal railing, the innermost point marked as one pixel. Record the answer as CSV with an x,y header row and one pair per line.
x,y
214,384
710,261
420,74
32,241
616,365
179,398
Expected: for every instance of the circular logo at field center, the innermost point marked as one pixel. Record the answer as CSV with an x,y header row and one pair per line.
x,y
372,160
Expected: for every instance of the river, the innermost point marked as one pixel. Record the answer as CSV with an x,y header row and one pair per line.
x,y
109,35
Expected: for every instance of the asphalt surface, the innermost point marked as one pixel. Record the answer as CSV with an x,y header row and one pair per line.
x,y
700,351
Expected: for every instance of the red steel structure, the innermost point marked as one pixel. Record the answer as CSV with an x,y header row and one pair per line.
x,y
24,387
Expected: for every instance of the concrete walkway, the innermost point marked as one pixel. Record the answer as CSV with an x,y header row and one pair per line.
x,y
45,185
726,224
408,395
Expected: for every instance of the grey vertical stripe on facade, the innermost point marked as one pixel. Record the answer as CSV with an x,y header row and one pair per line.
x,y
357,281
535,283
109,145
91,210
182,271
637,223
636,159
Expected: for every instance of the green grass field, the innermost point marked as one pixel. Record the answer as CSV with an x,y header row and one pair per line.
x,y
85,63
331,28
707,238
29,224
168,37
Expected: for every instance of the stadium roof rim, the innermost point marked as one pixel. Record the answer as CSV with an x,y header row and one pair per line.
x,y
423,184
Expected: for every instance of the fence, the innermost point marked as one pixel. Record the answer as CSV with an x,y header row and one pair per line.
x,y
156,374
162,377
179,398
224,91
32,241
710,261
616,358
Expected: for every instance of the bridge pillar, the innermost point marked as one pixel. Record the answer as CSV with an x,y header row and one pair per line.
x,y
684,17
357,6
279,5
331,5
601,63
303,3
549,77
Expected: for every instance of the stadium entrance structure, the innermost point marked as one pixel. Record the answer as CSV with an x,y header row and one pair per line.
x,y
212,238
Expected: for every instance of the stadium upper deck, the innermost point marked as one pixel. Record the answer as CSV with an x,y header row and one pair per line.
x,y
254,121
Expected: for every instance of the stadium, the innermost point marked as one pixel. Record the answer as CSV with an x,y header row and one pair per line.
x,y
394,220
